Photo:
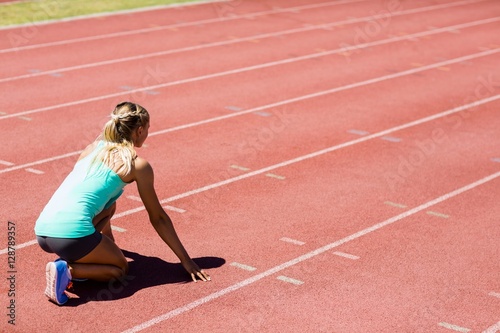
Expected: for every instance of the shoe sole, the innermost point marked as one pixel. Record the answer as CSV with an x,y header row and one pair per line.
x,y
51,276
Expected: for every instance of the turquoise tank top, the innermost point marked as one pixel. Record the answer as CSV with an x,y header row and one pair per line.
x,y
87,190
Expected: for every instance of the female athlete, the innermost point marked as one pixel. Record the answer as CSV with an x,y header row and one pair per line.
x,y
75,224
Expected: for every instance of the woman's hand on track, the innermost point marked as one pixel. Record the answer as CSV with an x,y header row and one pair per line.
x,y
195,271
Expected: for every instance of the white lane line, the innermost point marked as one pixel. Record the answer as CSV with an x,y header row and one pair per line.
x,y
494,294
134,198
174,209
290,280
214,119
34,241
176,26
167,207
346,255
46,160
493,329
119,229
309,96
228,42
454,327
128,212
6,163
282,62
293,241
242,266
304,257
20,246
159,53
35,171
312,155
322,152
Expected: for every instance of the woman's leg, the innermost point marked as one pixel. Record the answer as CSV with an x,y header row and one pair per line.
x,y
104,263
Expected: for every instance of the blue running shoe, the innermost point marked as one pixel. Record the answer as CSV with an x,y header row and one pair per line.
x,y
58,278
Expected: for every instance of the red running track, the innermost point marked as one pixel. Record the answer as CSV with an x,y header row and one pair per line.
x,y
333,165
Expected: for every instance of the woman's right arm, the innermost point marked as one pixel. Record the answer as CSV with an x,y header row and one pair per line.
x,y
144,176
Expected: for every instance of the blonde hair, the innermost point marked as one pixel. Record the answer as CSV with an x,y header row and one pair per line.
x,y
119,153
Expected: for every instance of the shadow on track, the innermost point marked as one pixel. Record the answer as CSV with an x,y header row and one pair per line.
x,y
144,272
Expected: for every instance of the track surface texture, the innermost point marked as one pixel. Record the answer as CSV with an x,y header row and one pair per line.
x,y
333,165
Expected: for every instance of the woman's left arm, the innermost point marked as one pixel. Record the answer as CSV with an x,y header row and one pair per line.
x,y
144,176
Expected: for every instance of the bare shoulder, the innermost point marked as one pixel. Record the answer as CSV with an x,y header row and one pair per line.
x,y
142,168
141,164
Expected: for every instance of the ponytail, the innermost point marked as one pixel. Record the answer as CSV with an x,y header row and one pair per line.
x,y
118,152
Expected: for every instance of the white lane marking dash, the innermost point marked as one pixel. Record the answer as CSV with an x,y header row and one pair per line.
x,y
234,166
6,163
272,175
358,132
391,139
293,241
494,294
114,227
35,171
263,114
430,212
454,327
346,255
395,204
290,280
306,256
496,159
242,266
24,118
174,209
233,108
134,197
275,63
